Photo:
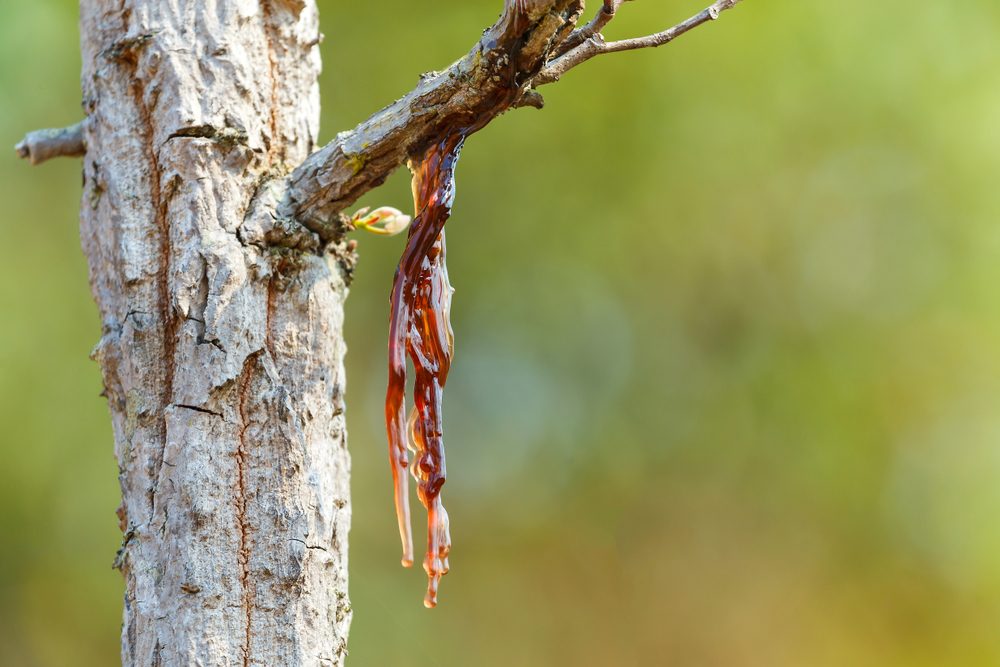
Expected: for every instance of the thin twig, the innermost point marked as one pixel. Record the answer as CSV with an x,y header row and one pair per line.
x,y
596,25
42,145
594,45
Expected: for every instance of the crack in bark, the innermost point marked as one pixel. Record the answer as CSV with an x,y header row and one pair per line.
x,y
242,525
272,59
308,546
228,137
125,52
195,408
269,319
120,556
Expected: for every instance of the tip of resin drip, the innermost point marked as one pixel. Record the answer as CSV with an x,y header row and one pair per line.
x,y
406,561
430,600
433,581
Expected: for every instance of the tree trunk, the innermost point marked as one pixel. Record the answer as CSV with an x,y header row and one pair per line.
x,y
222,349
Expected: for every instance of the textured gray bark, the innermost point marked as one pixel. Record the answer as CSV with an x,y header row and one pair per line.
x,y
222,349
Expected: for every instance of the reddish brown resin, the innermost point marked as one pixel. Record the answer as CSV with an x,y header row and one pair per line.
x,y
420,327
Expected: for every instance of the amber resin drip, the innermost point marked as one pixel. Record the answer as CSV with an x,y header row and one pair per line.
x,y
420,328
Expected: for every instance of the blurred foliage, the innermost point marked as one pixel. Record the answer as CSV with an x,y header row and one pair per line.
x,y
728,343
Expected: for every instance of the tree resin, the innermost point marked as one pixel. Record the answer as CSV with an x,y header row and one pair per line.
x,y
420,327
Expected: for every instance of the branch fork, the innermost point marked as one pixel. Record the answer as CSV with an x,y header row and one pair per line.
x,y
534,43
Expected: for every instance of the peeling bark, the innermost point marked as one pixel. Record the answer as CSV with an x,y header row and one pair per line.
x,y
221,350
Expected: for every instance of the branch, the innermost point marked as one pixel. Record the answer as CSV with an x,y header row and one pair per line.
x,y
42,145
593,44
533,43
490,79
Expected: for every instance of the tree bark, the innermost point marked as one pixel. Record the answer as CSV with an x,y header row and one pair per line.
x,y
221,349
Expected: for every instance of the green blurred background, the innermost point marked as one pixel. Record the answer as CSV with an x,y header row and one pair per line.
x,y
728,335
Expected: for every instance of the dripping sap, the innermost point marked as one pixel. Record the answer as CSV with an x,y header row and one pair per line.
x,y
420,328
